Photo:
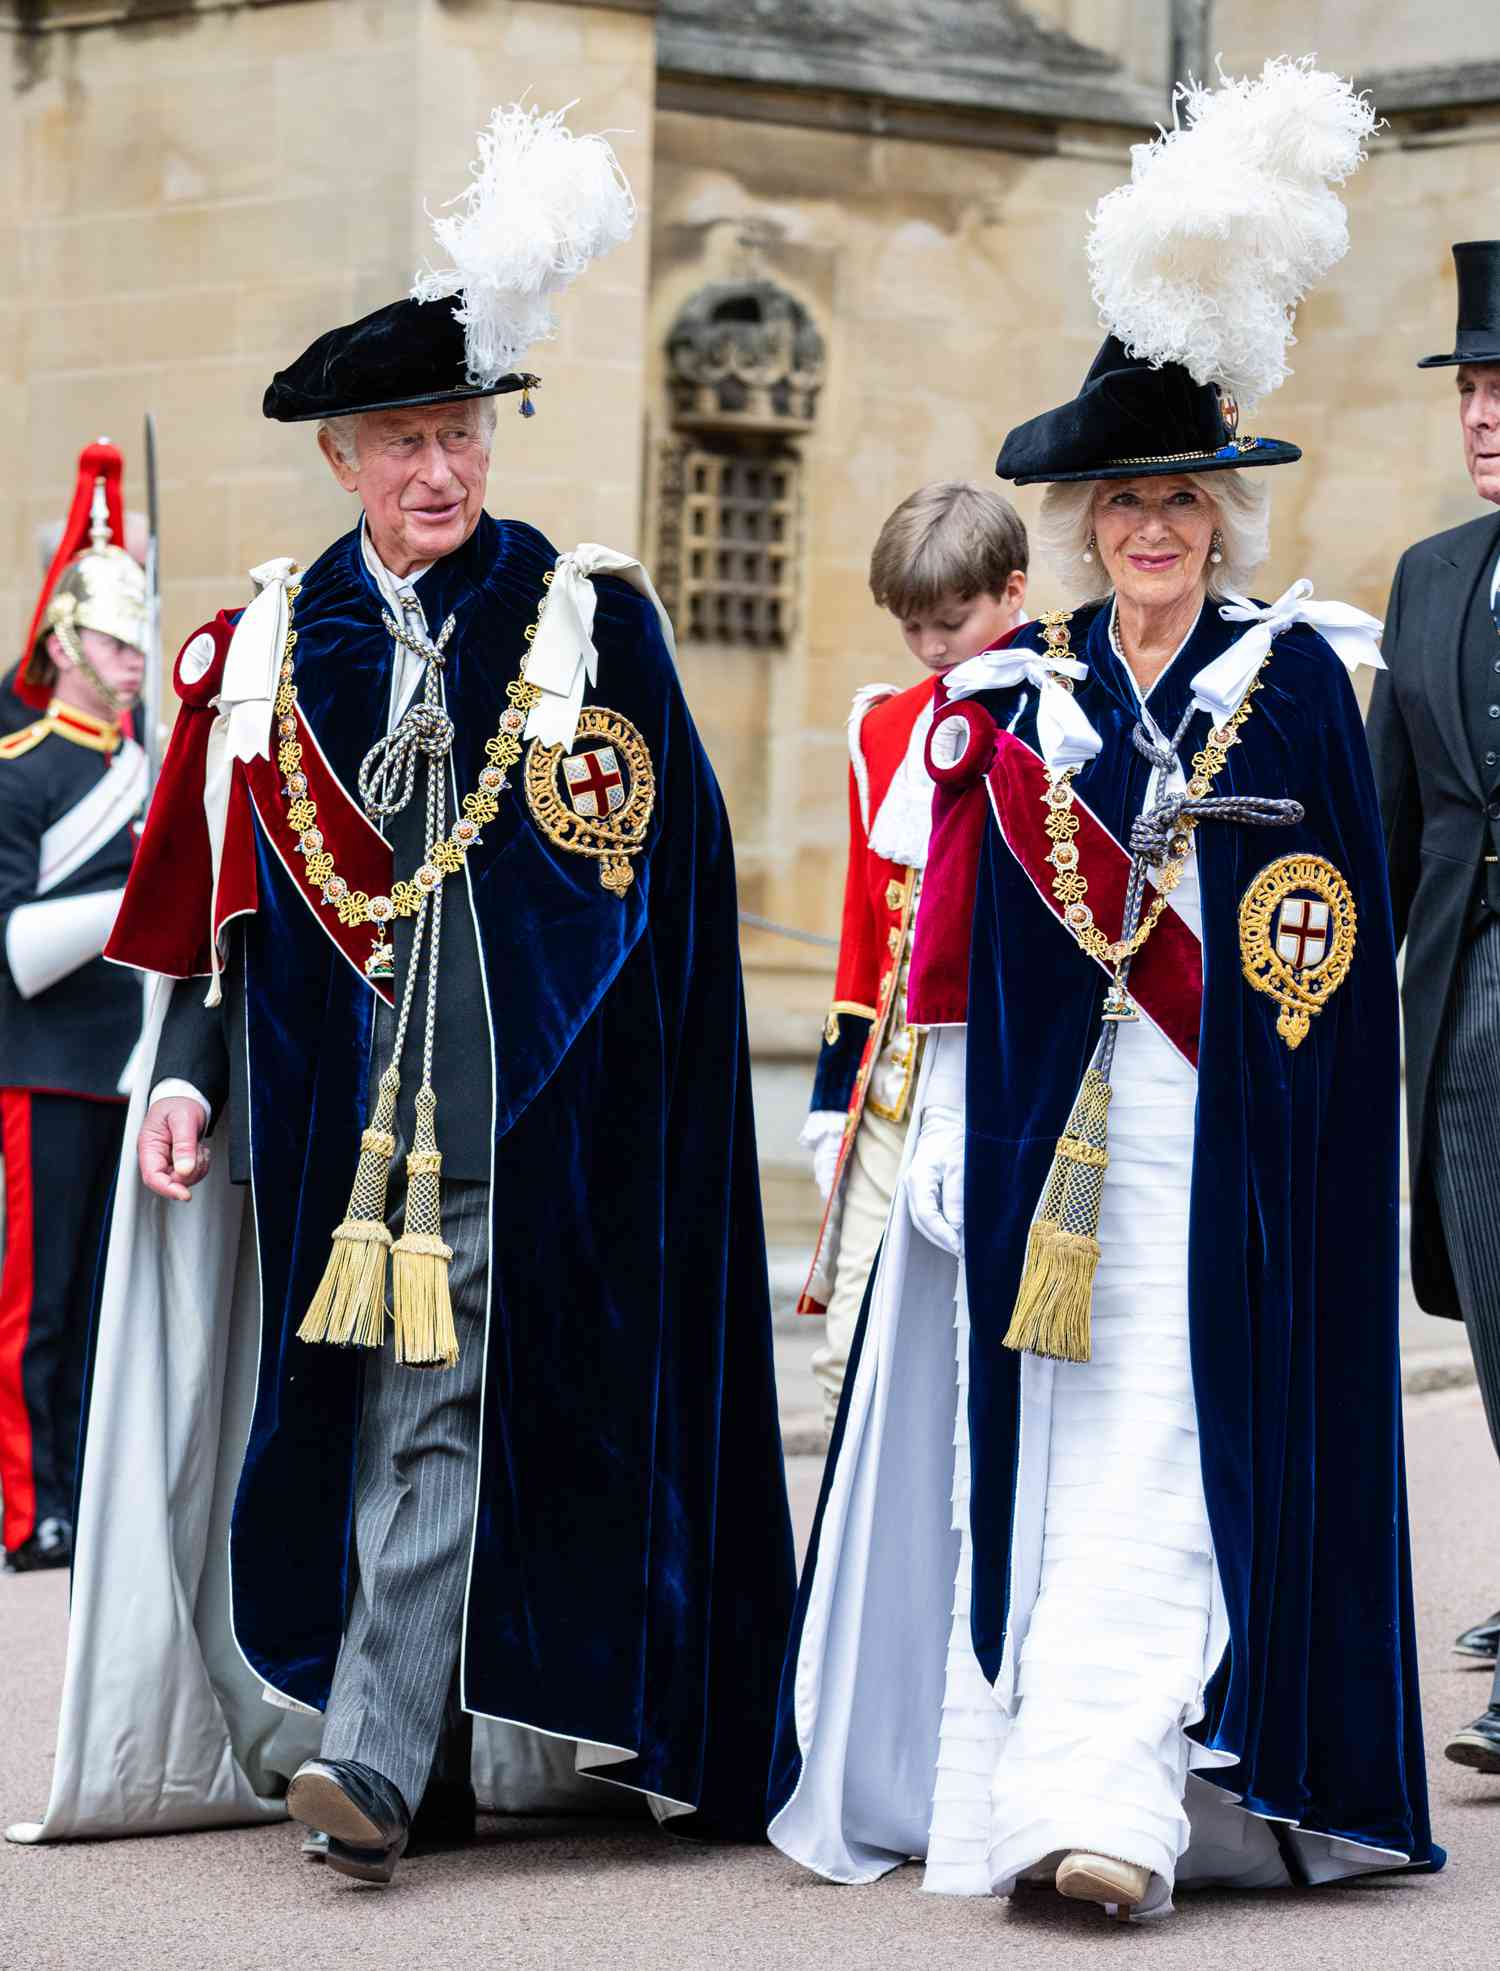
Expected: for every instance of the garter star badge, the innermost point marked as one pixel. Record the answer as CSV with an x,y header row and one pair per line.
x,y
597,799
1297,929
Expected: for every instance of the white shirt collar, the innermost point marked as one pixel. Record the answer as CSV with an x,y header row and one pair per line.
x,y
390,586
406,671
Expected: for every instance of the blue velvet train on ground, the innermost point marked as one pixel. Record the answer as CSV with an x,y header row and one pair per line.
x,y
631,1569
1312,1717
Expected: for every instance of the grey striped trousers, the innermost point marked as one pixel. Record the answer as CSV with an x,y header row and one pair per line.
x,y
1466,1162
394,1701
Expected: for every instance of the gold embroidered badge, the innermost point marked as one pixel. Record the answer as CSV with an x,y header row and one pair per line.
x,y
1297,929
596,800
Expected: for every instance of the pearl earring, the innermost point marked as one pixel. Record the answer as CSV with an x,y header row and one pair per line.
x,y
1088,553
1216,548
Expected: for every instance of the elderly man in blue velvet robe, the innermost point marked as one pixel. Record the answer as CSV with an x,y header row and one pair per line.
x,y
445,883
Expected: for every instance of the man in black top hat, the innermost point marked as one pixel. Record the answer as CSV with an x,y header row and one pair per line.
x,y
1435,734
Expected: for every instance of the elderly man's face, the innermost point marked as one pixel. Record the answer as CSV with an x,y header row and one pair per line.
x,y
420,475
1479,411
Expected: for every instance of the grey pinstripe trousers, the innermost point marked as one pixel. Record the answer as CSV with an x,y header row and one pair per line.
x,y
1466,1162
394,1700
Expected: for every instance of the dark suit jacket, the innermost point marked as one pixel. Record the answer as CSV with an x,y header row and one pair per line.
x,y
74,1038
206,1046
1440,824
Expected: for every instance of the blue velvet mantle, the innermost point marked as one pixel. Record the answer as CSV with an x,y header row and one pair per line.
x,y
632,1568
1292,1250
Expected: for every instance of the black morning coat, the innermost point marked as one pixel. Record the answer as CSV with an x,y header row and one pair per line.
x,y
1441,810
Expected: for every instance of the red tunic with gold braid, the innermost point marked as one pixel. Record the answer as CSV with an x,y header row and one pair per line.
x,y
879,910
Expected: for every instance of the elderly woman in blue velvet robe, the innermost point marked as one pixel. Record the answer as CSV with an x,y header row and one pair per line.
x,y
1110,1588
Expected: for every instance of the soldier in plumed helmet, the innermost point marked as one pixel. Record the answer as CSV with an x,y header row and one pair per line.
x,y
71,789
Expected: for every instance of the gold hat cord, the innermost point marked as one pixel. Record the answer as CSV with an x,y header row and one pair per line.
x,y
349,1305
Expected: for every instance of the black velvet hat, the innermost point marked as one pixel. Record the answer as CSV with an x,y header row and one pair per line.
x,y
409,352
1478,341
1135,420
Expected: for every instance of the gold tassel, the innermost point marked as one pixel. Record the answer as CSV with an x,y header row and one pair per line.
x,y
1054,1299
349,1306
423,1310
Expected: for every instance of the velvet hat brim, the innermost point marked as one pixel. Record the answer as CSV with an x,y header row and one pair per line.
x,y
1133,420
404,355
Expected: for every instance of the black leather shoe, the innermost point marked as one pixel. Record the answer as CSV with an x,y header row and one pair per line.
x,y
51,1545
445,1820
1482,1642
1478,1745
361,1812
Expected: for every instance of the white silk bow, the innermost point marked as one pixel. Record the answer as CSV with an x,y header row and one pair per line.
x,y
246,705
563,657
1067,737
1354,636
252,665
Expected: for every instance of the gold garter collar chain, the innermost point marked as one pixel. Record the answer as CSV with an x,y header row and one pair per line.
x,y
1070,885
445,857
1052,1313
349,1306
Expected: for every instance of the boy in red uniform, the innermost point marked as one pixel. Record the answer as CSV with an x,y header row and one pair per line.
x,y
950,565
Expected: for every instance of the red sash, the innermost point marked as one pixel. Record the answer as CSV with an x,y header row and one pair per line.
x,y
164,920
1166,975
361,854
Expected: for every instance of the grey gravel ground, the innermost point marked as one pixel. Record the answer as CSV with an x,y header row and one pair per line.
x,y
573,1896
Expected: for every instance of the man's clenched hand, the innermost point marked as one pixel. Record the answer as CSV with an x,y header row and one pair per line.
x,y
172,1151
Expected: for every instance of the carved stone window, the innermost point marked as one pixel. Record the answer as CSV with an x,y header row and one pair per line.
x,y
745,364
739,539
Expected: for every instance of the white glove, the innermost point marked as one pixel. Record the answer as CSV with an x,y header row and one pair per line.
x,y
823,1134
935,1181
48,940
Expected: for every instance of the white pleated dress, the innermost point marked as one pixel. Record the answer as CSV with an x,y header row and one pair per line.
x,y
1108,1665
1115,1620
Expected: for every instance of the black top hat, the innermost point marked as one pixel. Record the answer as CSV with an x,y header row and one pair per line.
x,y
1134,420
409,352
1478,341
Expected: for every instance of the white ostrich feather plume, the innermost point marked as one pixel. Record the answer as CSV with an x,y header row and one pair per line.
x,y
1229,218
542,205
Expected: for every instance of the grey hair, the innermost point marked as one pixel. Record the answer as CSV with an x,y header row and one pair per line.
x,y
343,432
1242,511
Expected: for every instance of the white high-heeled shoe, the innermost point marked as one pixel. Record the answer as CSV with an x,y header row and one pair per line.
x,y
1103,1879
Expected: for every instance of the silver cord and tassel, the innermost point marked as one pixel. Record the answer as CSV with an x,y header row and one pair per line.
x,y
349,1305
1053,1310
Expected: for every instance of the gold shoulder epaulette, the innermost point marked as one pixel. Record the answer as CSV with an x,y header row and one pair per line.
x,y
14,744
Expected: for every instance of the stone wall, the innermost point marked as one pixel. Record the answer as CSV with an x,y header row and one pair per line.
x,y
948,279
189,197
948,284
188,200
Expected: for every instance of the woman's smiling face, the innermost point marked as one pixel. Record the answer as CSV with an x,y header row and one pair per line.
x,y
1154,537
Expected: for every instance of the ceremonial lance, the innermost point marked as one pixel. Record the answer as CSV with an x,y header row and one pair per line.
x,y
152,688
